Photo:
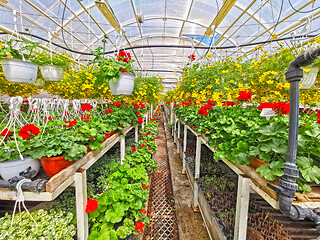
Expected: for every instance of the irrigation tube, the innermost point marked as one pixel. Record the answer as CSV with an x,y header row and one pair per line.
x,y
288,182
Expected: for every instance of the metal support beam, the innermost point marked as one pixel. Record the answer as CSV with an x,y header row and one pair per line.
x,y
80,179
136,134
178,137
184,22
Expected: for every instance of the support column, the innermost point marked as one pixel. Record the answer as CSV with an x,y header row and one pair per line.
x,y
243,197
175,130
151,110
185,139
178,136
80,179
122,148
197,172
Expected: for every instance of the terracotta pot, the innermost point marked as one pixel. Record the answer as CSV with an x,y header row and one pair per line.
x,y
54,165
256,162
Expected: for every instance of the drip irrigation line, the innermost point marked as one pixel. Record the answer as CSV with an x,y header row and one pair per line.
x,y
165,46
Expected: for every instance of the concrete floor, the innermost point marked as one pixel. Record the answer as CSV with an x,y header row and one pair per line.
x,y
191,225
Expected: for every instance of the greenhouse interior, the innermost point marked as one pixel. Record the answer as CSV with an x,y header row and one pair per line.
x,y
160,119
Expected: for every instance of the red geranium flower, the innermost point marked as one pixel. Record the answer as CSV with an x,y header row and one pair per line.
x,y
143,145
228,103
244,95
140,120
108,111
5,132
91,138
265,105
47,118
136,106
139,226
86,107
123,56
28,130
143,211
203,111
150,148
192,57
142,105
92,205
133,149
137,114
144,186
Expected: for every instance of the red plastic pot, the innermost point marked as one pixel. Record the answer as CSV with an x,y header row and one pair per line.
x,y
54,165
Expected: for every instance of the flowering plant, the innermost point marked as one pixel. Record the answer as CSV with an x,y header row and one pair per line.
x,y
59,60
18,49
111,68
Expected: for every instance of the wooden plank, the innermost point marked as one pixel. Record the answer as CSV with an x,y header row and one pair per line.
x,y
59,178
80,179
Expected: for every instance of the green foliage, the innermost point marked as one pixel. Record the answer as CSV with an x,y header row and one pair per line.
x,y
18,49
272,171
59,60
52,225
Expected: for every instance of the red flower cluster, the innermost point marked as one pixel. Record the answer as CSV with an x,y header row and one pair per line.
x,y
136,106
167,102
143,145
133,149
91,138
71,123
186,103
123,56
143,211
86,107
192,57
122,70
66,113
138,114
140,120
142,105
144,186
5,132
47,118
92,205
176,105
282,107
204,109
108,111
211,102
150,148
228,103
318,115
139,226
244,95
28,130
116,104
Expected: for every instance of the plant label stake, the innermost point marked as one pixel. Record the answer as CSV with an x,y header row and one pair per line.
x,y
268,113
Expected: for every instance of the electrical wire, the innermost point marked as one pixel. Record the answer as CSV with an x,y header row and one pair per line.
x,y
163,46
299,11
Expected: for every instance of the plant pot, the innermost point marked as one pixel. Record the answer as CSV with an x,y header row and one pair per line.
x,y
13,168
51,73
54,165
124,86
309,78
256,162
18,71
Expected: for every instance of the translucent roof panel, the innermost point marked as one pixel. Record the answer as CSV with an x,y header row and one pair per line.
x,y
79,26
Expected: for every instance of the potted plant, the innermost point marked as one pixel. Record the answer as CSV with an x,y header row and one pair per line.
x,y
13,55
52,65
117,72
58,147
11,163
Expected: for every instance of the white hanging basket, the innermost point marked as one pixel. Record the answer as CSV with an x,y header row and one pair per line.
x,y
51,73
12,168
18,71
309,78
124,86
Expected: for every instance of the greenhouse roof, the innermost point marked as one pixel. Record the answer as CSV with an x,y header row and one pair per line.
x,y
171,30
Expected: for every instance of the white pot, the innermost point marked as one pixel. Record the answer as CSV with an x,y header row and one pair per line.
x,y
12,168
124,86
18,71
51,73
309,78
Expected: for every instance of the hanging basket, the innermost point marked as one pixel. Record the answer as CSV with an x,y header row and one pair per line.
x,y
54,165
51,73
124,86
13,168
18,71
